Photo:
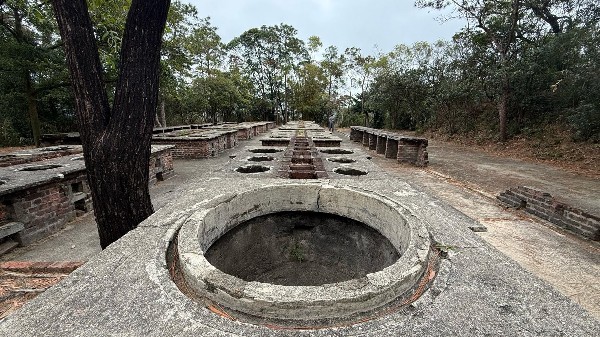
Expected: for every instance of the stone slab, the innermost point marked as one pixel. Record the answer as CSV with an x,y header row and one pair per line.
x,y
10,229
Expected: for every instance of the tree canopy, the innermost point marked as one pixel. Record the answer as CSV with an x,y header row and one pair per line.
x,y
516,66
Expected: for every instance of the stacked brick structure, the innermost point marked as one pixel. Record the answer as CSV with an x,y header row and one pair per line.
x,y
327,142
198,144
161,163
283,142
207,140
43,201
544,206
33,155
37,199
404,149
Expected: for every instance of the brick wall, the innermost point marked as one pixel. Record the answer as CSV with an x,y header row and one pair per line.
x,y
356,135
327,142
391,148
544,206
232,140
5,212
381,143
405,149
412,152
161,166
209,145
46,208
245,133
192,148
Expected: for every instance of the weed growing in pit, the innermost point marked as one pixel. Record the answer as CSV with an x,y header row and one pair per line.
x,y
297,253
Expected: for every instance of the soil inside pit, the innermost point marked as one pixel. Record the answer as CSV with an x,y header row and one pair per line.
x,y
301,249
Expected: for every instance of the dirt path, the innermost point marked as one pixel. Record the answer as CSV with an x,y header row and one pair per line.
x,y
495,174
469,180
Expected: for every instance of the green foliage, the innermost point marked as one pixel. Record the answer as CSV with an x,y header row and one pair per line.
x,y
297,252
33,76
538,58
269,55
378,119
219,96
308,94
8,135
586,122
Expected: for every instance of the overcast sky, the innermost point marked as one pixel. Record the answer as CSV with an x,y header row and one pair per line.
x,y
343,23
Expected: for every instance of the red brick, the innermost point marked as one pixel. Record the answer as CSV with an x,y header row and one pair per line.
x,y
15,266
64,266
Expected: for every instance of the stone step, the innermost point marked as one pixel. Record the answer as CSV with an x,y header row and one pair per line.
x,y
7,246
10,229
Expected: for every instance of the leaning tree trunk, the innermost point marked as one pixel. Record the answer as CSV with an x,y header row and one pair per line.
x,y
502,109
116,142
32,109
163,118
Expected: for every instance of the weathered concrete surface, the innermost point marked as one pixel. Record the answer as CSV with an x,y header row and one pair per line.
x,y
78,240
126,290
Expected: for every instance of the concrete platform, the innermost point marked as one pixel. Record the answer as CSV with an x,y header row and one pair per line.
x,y
126,289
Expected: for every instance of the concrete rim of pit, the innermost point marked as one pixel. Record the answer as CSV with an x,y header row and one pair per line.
x,y
304,303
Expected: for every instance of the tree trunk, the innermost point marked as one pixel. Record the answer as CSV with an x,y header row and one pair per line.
x,y
163,119
34,118
116,142
502,109
32,111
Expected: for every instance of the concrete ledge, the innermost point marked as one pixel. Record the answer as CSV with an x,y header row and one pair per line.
x,y
10,229
38,154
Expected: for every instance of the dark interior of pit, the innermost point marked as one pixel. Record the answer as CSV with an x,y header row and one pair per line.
x,y
268,150
301,249
252,169
349,171
261,158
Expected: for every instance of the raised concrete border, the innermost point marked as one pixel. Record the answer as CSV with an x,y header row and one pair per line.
x,y
406,233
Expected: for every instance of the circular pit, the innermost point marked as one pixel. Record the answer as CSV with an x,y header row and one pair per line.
x,y
252,169
261,158
342,160
246,254
337,151
348,171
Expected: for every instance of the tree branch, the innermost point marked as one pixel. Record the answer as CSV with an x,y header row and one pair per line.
x,y
93,110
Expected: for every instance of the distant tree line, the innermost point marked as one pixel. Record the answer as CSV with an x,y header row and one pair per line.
x,y
516,67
